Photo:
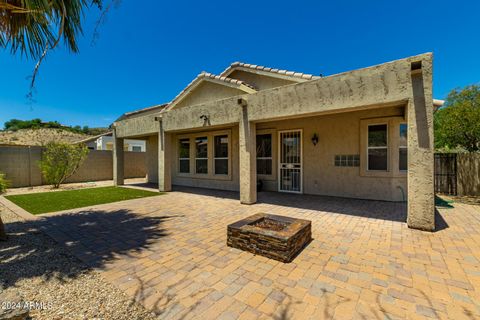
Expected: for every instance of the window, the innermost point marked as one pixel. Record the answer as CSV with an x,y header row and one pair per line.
x,y
109,146
264,154
201,155
377,148
402,148
184,156
221,154
136,149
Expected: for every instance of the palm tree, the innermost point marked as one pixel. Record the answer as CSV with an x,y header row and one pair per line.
x,y
33,27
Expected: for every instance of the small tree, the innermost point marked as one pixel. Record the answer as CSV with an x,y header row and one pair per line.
x,y
60,161
3,188
458,123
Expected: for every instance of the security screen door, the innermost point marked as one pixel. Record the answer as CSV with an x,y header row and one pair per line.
x,y
290,161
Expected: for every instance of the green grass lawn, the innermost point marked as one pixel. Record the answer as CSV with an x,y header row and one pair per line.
x,y
44,202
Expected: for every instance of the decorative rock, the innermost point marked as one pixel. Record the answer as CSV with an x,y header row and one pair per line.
x,y
12,307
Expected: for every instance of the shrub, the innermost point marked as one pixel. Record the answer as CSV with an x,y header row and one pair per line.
x,y
4,183
60,161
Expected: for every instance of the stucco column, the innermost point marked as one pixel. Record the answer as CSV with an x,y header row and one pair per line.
x,y
164,160
152,159
421,196
117,160
248,163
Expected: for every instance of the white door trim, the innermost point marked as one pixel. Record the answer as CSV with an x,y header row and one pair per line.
x,y
279,170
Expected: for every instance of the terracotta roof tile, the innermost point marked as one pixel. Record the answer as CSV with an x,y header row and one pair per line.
x,y
294,74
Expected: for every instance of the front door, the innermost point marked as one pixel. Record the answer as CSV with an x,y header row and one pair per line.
x,y
290,161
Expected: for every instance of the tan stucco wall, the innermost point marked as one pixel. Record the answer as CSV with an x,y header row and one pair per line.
x,y
341,135
260,82
389,83
338,135
208,91
152,158
137,127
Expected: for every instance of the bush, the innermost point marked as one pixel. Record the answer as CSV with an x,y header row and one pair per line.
x,y
4,183
60,161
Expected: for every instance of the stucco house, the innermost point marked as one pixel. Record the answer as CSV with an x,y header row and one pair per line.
x,y
365,134
104,141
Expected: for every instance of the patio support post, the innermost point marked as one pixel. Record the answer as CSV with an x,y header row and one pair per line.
x,y
164,160
117,160
421,196
248,161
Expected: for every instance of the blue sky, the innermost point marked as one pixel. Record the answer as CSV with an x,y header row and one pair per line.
x,y
147,53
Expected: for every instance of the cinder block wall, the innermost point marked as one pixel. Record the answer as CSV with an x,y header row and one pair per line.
x,y
20,164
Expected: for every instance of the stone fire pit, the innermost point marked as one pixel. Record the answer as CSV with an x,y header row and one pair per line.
x,y
276,237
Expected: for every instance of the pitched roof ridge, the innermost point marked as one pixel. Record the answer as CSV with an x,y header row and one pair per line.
x,y
299,75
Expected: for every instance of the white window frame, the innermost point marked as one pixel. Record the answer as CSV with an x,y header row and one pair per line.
x,y
201,173
189,154
221,158
386,147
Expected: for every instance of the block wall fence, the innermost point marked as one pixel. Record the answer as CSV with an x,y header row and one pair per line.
x,y
20,164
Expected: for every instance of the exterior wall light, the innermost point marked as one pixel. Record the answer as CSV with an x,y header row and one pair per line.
x,y
315,139
206,120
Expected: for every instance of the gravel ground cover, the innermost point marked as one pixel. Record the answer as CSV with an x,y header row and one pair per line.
x,y
35,267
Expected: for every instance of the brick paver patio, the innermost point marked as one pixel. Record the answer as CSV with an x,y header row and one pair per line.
x,y
169,253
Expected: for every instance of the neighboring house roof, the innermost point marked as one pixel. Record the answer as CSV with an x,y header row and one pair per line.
x,y
94,138
206,76
267,71
437,104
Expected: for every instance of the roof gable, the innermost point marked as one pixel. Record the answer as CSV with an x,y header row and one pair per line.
x,y
204,83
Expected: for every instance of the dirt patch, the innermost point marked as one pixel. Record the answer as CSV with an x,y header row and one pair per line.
x,y
39,137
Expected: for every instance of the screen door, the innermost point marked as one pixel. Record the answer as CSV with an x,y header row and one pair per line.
x,y
290,161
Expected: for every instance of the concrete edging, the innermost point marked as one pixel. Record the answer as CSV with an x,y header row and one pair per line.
x,y
22,213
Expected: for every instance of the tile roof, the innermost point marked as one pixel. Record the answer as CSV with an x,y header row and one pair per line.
x,y
287,73
127,115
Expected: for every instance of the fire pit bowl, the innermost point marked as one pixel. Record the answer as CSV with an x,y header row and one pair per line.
x,y
276,237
